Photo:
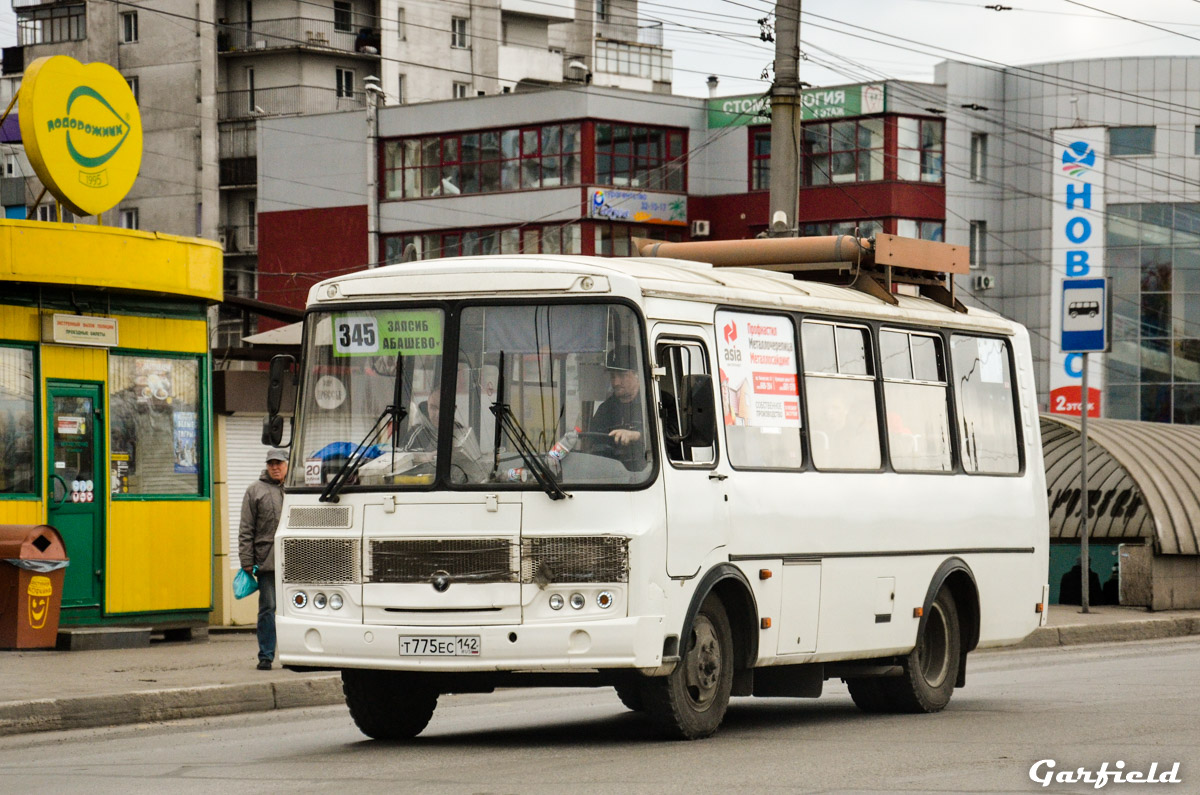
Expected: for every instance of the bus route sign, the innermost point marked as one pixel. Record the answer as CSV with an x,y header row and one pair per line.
x,y
1085,316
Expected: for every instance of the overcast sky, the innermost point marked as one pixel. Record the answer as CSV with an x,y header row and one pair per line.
x,y
895,38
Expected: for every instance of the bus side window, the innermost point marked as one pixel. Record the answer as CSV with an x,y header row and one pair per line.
x,y
686,407
842,415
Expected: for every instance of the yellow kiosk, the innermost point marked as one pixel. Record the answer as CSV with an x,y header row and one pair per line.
x,y
104,367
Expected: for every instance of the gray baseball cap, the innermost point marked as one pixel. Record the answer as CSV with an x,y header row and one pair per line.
x,y
277,454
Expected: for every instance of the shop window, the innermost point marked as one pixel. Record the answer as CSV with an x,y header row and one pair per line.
x,y
760,398
18,423
839,383
1130,141
156,425
984,393
646,158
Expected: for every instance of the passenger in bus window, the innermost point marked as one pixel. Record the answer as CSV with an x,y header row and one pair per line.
x,y
621,417
466,462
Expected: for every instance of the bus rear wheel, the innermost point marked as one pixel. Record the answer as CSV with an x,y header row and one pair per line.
x,y
928,672
387,705
690,703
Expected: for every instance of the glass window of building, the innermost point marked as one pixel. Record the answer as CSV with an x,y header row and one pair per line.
x,y
458,32
526,239
341,16
18,423
47,25
129,27
920,149
649,158
156,426
1153,256
1130,141
760,158
978,157
842,151
978,244
613,240
483,162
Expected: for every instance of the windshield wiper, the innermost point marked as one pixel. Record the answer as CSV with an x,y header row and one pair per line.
x,y
394,413
533,462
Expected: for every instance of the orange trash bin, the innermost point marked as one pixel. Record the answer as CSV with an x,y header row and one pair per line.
x,y
32,559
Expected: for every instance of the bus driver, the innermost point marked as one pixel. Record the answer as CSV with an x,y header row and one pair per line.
x,y
622,416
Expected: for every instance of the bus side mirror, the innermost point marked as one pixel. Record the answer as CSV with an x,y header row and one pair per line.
x,y
272,432
281,368
279,375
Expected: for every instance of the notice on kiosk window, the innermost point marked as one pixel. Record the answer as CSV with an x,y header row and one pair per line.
x,y
758,370
411,333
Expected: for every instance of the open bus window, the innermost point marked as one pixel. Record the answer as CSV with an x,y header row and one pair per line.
x,y
574,379
759,390
352,359
986,414
839,384
914,392
689,436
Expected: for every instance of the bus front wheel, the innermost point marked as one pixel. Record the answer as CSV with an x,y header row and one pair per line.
x,y
928,672
387,705
690,703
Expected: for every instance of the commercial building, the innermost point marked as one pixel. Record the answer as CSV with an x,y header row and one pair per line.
x,y
105,418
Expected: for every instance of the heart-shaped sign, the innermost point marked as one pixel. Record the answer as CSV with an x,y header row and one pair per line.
x,y
82,131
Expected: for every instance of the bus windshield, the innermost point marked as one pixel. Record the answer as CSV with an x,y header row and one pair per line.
x,y
352,360
573,380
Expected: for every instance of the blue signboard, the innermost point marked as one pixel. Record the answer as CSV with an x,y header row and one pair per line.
x,y
1084,315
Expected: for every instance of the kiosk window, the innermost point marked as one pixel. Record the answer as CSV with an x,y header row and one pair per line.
x,y
18,432
157,442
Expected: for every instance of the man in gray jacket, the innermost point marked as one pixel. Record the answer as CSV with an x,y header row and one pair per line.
x,y
261,508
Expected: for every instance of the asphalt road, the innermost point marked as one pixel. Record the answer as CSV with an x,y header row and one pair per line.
x,y
1081,706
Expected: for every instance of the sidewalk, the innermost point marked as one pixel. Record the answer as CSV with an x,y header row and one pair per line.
x,y
52,690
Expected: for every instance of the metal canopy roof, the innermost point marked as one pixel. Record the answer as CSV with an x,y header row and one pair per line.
x,y
1143,479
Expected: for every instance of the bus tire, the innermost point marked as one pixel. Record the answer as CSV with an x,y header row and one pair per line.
x,y
387,705
690,703
630,694
867,694
931,668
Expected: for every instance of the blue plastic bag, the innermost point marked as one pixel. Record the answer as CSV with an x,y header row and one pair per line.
x,y
244,583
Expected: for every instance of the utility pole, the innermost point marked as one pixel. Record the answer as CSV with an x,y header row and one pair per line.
x,y
785,119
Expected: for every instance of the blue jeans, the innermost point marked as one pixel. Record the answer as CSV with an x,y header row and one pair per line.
x,y
266,616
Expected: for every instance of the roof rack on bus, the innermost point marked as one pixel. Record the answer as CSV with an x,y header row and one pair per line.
x,y
872,265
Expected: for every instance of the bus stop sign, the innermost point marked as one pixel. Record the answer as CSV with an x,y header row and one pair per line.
x,y
1085,315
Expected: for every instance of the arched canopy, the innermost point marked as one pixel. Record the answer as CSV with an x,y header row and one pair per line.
x,y
1143,481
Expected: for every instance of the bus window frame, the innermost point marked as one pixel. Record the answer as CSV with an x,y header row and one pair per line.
x,y
669,339
951,415
1015,392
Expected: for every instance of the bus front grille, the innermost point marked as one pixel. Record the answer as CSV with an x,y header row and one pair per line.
x,y
303,517
321,560
575,559
479,560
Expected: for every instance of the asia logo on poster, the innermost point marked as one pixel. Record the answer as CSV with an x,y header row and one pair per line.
x,y
758,370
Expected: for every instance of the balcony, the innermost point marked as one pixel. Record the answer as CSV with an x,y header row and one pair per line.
x,y
284,101
629,31
292,32
238,172
528,63
553,10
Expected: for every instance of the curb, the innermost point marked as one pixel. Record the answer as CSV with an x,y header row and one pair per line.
x,y
319,690
86,712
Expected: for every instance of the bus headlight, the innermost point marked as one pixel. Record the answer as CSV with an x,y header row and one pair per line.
x,y
577,601
556,601
335,601
319,601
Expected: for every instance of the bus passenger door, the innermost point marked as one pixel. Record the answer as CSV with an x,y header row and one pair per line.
x,y
697,503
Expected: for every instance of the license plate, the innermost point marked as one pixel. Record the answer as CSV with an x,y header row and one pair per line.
x,y
439,645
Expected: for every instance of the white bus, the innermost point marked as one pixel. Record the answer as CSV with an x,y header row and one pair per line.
x,y
683,481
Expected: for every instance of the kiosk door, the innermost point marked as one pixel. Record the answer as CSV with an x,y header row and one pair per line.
x,y
78,486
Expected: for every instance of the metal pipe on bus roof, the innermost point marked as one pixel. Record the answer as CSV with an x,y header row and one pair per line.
x,y
764,251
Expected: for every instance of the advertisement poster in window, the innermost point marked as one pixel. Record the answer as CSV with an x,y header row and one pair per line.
x,y
185,442
758,370
152,379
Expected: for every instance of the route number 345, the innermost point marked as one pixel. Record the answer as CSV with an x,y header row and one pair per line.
x,y
357,335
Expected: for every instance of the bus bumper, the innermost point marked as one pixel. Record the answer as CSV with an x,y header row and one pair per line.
x,y
616,643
